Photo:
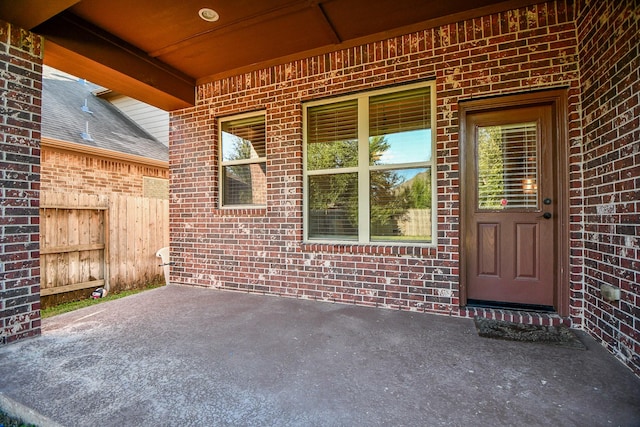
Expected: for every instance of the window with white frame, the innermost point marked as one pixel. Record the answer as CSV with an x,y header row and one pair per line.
x,y
369,167
243,160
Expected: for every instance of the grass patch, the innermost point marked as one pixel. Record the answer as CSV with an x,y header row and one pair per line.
x,y
7,421
75,305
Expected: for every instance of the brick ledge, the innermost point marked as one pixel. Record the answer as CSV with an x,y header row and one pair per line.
x,y
371,249
517,316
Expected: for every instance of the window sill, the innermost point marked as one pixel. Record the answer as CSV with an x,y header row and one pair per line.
x,y
421,251
241,211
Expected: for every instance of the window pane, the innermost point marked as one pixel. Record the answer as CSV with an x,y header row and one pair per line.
x,y
243,139
401,205
332,136
333,206
245,184
400,127
507,166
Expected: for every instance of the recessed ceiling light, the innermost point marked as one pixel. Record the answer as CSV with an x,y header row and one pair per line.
x,y
209,15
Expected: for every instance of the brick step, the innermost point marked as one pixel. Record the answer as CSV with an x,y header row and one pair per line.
x,y
516,316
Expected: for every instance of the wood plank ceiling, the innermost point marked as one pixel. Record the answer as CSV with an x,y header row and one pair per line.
x,y
159,50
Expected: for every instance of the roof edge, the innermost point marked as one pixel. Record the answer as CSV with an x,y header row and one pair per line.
x,y
101,152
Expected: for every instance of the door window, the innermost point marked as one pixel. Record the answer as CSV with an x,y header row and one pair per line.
x,y
507,166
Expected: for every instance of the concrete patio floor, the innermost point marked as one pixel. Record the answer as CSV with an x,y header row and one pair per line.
x,y
182,356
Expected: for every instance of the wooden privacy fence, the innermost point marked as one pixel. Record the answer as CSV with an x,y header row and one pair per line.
x,y
88,241
416,222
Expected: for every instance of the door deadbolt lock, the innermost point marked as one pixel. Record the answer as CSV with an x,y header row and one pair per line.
x,y
547,201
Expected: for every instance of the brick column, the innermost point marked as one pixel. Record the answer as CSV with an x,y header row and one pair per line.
x,y
20,121
609,35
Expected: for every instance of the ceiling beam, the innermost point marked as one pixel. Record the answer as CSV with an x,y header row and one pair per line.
x,y
326,23
80,66
108,61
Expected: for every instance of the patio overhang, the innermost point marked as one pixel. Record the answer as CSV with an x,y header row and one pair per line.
x,y
158,52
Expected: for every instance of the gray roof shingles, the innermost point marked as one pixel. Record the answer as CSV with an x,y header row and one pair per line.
x,y
63,118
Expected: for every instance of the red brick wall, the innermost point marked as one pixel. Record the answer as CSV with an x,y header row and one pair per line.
x,y
261,250
20,105
66,171
609,37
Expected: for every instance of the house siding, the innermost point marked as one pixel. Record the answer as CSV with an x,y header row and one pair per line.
x,y
152,119
262,250
21,88
609,37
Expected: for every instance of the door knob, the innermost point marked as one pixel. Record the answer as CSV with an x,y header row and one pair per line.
x,y
545,215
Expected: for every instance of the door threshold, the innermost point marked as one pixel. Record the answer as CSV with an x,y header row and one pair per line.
x,y
499,305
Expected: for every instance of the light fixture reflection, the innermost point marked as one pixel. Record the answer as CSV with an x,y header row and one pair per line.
x,y
529,186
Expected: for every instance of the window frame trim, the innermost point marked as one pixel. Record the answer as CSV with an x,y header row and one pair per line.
x,y
222,163
363,169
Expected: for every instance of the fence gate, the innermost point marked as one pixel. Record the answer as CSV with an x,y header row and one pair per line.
x,y
73,248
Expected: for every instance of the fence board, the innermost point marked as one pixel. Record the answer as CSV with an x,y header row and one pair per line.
x,y
130,241
99,258
153,224
71,248
137,232
48,236
120,246
62,272
145,232
70,288
84,237
74,239
104,272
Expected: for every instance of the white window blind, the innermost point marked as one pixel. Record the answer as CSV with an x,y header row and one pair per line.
x,y
332,136
244,139
507,166
400,112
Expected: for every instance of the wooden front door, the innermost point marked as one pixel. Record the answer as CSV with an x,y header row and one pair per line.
x,y
510,225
